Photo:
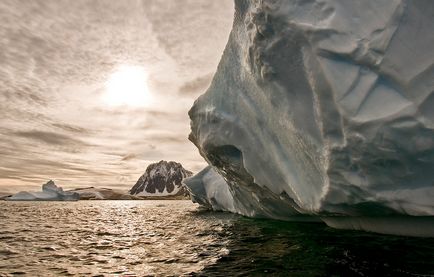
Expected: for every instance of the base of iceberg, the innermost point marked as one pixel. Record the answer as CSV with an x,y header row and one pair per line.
x,y
416,226
50,192
210,190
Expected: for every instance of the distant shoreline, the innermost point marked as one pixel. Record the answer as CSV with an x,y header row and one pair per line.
x,y
111,196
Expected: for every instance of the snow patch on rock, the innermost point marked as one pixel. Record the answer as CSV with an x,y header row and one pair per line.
x,y
161,179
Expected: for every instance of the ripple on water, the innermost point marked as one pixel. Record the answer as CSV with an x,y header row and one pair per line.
x,y
104,237
148,238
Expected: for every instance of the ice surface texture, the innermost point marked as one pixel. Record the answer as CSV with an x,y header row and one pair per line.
x,y
50,192
322,108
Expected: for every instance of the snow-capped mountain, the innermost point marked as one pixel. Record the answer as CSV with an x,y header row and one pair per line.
x,y
161,179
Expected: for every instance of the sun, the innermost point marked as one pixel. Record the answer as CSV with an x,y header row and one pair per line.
x,y
127,86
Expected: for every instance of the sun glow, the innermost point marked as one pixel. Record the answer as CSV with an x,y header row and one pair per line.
x,y
127,86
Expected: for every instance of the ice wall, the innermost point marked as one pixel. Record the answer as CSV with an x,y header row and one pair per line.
x,y
323,108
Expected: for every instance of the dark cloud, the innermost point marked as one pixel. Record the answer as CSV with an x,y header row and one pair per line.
x,y
167,138
50,138
198,85
26,95
71,128
169,117
129,157
44,166
157,113
148,150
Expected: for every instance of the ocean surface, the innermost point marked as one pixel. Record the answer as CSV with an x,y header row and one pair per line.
x,y
172,238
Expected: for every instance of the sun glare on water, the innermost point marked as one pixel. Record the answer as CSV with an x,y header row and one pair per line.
x,y
127,86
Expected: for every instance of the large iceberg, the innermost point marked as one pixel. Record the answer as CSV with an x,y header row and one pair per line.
x,y
323,108
50,192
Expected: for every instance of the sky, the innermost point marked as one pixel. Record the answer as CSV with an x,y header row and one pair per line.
x,y
92,91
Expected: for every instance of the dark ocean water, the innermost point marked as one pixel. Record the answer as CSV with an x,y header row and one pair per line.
x,y
172,238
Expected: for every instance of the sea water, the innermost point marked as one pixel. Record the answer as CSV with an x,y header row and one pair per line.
x,y
172,238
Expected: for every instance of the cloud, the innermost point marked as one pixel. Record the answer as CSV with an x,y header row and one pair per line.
x,y
194,28
56,57
129,157
196,86
24,95
71,128
50,138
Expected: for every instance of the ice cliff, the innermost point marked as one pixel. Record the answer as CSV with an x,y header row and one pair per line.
x,y
323,108
50,192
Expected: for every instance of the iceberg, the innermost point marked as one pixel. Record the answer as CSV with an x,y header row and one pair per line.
x,y
209,189
50,192
322,109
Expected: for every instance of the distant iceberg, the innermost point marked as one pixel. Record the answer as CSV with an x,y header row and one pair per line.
x,y
50,192
323,108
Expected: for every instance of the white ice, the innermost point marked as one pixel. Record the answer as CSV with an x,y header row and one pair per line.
x,y
322,108
50,192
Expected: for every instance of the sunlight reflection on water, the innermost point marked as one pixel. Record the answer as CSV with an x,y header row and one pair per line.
x,y
107,237
172,238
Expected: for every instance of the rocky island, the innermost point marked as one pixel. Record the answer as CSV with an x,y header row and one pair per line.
x,y
162,180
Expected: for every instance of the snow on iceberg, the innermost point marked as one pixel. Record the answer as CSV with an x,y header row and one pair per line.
x,y
323,108
210,190
50,192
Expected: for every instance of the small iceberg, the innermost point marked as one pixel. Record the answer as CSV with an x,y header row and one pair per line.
x,y
50,192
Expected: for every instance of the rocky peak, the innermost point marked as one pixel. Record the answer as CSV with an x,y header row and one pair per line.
x,y
162,178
